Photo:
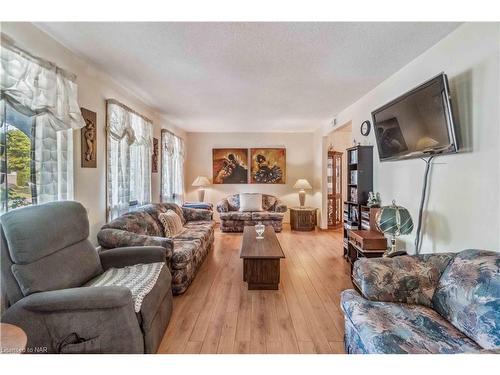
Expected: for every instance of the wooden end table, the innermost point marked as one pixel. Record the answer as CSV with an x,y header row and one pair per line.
x,y
365,244
261,259
13,339
303,218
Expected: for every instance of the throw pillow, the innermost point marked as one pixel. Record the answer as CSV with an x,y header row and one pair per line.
x,y
250,202
172,223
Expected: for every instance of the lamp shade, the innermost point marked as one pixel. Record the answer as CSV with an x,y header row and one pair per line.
x,y
302,184
201,181
394,220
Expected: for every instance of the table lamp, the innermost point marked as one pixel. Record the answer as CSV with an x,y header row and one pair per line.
x,y
302,184
394,220
201,182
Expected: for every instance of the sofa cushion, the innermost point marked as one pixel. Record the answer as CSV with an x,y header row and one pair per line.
x,y
37,231
268,201
206,223
233,202
267,215
250,202
154,209
198,232
408,279
68,268
184,252
386,327
468,295
139,222
232,215
172,224
197,214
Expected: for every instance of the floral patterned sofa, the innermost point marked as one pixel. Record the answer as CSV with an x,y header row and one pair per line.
x,y
435,303
185,252
232,220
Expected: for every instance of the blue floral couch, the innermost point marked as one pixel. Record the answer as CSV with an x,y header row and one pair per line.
x,y
433,303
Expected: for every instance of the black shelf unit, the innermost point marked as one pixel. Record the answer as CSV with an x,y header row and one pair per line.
x,y
359,184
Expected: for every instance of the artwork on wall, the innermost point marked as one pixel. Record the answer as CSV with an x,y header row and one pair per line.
x,y
154,156
89,139
230,165
268,165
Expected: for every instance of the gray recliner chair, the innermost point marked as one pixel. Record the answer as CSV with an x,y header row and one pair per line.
x,y
55,290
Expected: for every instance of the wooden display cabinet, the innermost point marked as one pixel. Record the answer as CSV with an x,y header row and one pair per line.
x,y
334,189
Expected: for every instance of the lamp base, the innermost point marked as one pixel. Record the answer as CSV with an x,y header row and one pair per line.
x,y
201,195
302,198
392,248
392,251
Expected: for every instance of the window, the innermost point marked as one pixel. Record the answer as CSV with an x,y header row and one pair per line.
x,y
38,111
16,182
172,168
129,159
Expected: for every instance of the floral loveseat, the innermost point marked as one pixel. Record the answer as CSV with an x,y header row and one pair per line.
x,y
185,252
233,220
436,303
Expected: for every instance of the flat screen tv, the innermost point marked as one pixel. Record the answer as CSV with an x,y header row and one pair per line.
x,y
416,124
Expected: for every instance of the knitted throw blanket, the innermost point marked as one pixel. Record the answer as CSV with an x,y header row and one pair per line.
x,y
139,278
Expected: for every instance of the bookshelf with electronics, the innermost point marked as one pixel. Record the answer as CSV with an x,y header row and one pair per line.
x,y
356,214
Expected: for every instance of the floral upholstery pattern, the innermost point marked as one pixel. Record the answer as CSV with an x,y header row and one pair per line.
x,y
235,215
185,252
110,238
408,279
136,222
232,220
223,206
267,215
477,312
182,277
436,303
196,214
393,328
201,232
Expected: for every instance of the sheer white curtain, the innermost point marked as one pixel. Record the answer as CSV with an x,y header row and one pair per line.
x,y
35,87
172,168
129,159
140,168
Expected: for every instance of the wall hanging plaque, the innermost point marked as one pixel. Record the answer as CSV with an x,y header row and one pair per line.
x,y
154,156
89,139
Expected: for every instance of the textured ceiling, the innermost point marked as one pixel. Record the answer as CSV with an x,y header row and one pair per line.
x,y
235,77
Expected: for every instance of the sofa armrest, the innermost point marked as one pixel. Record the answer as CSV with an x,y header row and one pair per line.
x,y
279,206
405,279
110,238
128,256
196,214
84,298
223,206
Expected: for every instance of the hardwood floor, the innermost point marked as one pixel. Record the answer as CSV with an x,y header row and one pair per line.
x,y
217,314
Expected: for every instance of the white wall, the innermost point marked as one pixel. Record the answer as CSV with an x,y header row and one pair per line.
x,y
299,160
463,202
94,87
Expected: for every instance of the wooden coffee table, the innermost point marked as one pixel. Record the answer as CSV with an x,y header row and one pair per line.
x,y
261,259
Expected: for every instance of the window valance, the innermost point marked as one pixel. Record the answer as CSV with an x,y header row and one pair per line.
x,y
36,87
124,122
